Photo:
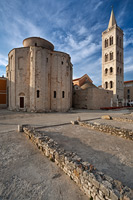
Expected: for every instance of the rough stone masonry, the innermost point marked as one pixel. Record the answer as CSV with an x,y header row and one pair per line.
x,y
95,184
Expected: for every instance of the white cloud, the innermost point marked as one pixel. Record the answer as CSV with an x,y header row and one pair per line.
x,y
82,30
98,5
73,28
84,52
128,60
3,60
122,12
90,67
128,68
128,37
79,49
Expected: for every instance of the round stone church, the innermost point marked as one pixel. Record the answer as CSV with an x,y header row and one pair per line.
x,y
39,78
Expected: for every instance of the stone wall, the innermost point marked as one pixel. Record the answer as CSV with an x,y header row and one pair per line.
x,y
95,184
120,119
92,98
121,132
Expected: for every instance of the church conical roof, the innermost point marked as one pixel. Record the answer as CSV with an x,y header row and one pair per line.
x,y
112,20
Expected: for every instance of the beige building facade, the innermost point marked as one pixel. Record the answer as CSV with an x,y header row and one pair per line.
x,y
88,96
82,80
39,78
112,60
128,91
92,98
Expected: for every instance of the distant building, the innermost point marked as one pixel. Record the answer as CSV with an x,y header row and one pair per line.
x,y
128,90
84,81
87,96
39,78
3,92
112,60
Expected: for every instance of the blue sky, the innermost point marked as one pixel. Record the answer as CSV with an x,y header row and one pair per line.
x,y
73,26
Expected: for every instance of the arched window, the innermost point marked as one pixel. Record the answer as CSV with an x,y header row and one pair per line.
x,y
111,69
54,94
111,84
117,69
38,93
106,85
63,94
111,40
120,70
111,55
106,43
106,57
106,71
120,42
117,41
118,55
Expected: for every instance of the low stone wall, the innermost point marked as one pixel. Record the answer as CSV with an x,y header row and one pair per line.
x,y
95,184
121,132
122,119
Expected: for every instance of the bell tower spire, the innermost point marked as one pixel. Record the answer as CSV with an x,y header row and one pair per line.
x,y
112,20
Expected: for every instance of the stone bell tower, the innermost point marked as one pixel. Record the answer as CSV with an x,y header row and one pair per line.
x,y
112,59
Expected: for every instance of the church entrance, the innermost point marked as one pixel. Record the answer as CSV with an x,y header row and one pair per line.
x,y
21,102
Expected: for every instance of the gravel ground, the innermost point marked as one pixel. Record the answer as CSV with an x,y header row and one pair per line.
x,y
108,153
26,174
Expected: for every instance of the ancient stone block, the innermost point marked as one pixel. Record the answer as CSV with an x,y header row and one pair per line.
x,y
106,117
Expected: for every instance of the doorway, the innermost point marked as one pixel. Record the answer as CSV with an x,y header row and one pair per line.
x,y
21,102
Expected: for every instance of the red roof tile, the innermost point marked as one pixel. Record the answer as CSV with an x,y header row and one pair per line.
x,y
128,81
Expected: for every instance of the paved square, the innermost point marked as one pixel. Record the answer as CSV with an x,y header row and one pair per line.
x,y
26,174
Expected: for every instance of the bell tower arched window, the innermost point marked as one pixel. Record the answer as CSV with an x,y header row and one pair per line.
x,y
118,55
120,42
106,57
111,70
117,40
111,40
106,85
111,84
106,71
111,55
106,43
